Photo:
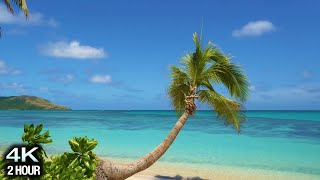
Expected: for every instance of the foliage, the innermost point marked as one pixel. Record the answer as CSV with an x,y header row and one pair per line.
x,y
32,136
202,69
22,4
79,164
2,165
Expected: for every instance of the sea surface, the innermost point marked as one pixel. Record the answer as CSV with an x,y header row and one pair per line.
x,y
272,140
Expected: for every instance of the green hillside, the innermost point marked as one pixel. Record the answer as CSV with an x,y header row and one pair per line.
x,y
28,103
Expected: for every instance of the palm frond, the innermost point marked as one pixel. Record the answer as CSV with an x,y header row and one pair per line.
x,y
219,57
7,3
199,60
22,4
204,82
209,51
188,65
226,109
179,76
177,94
196,42
178,89
232,77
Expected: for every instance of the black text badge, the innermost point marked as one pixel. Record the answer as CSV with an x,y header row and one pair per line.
x,y
23,161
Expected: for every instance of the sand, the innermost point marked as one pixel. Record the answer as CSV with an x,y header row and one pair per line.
x,y
178,171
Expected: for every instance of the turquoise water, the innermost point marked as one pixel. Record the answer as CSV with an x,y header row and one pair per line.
x,y
275,140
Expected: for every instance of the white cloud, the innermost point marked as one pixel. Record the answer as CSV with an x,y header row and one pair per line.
x,y
254,28
15,31
19,88
69,77
252,88
52,22
44,88
287,94
6,70
73,50
307,74
101,79
63,78
34,18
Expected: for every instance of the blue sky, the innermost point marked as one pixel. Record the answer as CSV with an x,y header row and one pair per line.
x,y
115,54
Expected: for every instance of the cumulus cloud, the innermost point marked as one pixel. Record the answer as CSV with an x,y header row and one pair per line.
x,y
307,74
293,95
101,79
59,75
34,18
252,88
73,50
69,77
44,88
15,31
17,87
254,28
6,70
63,78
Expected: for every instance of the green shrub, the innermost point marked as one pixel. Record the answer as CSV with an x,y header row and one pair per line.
x,y
2,165
33,138
79,164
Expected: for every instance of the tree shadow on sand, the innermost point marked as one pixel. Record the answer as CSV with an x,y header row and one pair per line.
x,y
178,177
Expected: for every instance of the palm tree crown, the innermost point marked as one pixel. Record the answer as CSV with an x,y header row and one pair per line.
x,y
195,79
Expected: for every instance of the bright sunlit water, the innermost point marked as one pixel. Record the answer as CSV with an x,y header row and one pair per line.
x,y
275,140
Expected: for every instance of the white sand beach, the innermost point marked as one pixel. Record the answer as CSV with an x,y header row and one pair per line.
x,y
220,173
182,171
179,171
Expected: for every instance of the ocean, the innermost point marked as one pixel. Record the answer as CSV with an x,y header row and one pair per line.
x,y
270,140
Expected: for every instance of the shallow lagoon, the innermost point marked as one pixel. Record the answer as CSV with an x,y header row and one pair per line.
x,y
269,140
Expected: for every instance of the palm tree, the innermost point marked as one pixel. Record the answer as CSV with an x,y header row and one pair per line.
x,y
22,4
194,81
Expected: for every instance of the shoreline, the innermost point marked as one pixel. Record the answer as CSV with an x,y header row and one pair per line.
x,y
187,171
179,171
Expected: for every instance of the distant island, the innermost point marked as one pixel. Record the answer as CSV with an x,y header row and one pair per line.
x,y
28,103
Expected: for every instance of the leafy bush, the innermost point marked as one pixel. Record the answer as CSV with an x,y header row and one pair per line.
x,y
33,138
79,164
2,165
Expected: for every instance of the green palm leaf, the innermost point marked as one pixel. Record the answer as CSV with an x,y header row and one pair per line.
x,y
201,69
22,4
232,77
227,110
178,89
7,3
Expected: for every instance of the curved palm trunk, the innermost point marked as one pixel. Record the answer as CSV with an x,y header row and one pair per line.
x,y
123,171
